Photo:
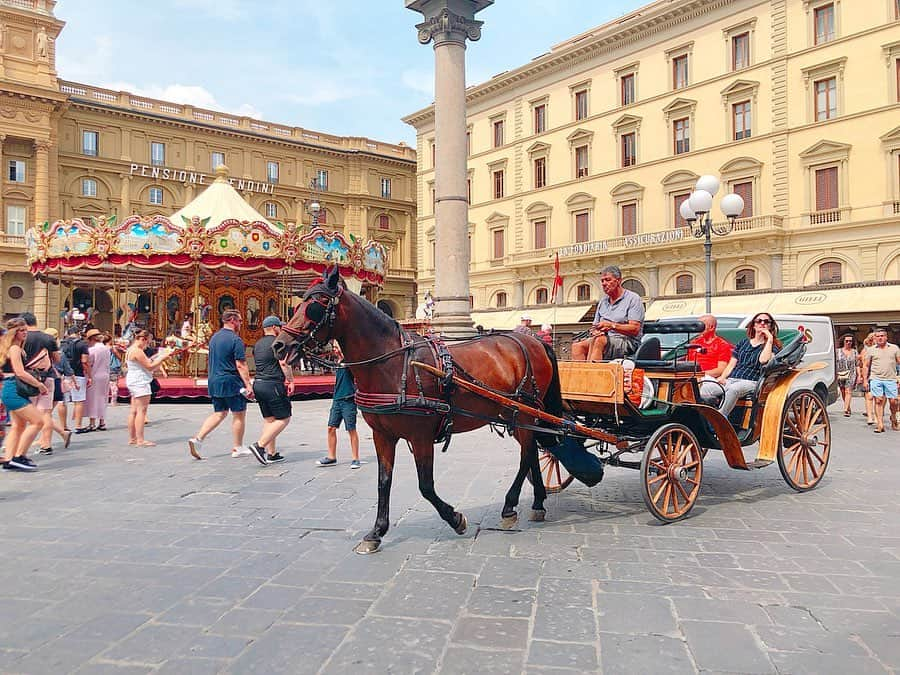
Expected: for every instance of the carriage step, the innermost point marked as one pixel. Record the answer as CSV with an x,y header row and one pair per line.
x,y
758,463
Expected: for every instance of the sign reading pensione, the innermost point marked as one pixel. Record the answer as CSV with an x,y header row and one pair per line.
x,y
197,178
628,241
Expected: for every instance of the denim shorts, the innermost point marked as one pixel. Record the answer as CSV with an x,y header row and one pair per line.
x,y
10,397
343,410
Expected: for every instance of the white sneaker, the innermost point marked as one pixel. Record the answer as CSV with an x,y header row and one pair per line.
x,y
240,452
195,445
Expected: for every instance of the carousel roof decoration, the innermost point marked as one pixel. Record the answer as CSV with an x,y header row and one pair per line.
x,y
217,230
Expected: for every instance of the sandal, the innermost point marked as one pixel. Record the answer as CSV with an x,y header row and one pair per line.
x,y
847,413
151,444
101,427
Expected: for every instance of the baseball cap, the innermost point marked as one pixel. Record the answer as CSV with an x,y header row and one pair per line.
x,y
271,321
525,317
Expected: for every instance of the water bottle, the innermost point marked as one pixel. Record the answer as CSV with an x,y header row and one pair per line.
x,y
628,368
246,393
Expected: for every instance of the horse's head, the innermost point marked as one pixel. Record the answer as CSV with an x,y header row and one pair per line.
x,y
311,326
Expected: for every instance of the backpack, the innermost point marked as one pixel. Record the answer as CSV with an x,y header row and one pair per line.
x,y
68,348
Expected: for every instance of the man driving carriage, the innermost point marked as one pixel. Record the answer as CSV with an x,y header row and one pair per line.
x,y
618,322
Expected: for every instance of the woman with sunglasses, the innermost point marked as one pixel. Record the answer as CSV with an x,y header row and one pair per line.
x,y
847,365
744,370
27,420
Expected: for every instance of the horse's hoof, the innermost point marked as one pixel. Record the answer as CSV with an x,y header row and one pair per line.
x,y
538,515
366,547
509,522
461,525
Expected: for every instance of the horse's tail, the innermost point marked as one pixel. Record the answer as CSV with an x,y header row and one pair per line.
x,y
553,402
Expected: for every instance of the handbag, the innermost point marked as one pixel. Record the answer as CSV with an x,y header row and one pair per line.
x,y
26,390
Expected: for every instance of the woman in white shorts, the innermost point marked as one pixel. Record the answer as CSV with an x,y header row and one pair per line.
x,y
137,379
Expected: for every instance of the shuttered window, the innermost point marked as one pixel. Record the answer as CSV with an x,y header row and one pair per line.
x,y
501,299
629,149
830,273
684,284
678,199
745,190
745,279
498,244
583,292
581,227
827,189
541,296
629,219
540,234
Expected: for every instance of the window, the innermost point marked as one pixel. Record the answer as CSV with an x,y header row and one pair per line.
x,y
826,99
272,172
740,51
823,23
498,133
468,190
271,210
684,284
155,195
498,184
540,172
626,89
468,144
827,189
629,219
322,179
897,70
540,296
216,159
90,143
629,149
582,227
433,200
16,171
740,113
88,187
830,273
384,222
745,190
581,104
386,188
157,153
540,234
323,217
15,220
583,293
680,72
433,155
500,299
681,130
745,280
540,118
678,199
497,248
634,286
581,161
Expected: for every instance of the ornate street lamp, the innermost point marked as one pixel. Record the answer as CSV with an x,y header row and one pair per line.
x,y
314,207
696,211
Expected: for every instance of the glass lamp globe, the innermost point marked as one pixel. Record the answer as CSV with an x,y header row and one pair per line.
x,y
701,201
314,207
708,184
686,211
732,205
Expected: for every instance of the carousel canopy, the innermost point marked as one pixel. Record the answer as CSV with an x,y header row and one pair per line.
x,y
216,231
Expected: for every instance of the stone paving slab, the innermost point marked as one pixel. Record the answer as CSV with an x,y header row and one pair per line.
x,y
125,560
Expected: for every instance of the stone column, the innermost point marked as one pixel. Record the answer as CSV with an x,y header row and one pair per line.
x,y
41,214
777,262
125,197
448,23
518,296
2,164
653,274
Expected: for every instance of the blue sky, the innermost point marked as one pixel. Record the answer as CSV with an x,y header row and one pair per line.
x,y
348,67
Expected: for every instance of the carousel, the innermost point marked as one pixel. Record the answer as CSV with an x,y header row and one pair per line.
x,y
176,275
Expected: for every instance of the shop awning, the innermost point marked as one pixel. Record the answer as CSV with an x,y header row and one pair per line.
x,y
502,320
554,315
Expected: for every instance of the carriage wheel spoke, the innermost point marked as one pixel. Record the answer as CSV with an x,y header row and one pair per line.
x,y
657,478
684,493
817,456
655,497
675,507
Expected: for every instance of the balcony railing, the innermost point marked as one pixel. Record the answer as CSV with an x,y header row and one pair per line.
x,y
829,216
12,239
896,207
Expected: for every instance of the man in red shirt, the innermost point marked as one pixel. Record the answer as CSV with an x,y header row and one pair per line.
x,y
714,355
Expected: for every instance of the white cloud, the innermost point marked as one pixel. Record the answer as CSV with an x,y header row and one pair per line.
x,y
186,94
226,10
419,80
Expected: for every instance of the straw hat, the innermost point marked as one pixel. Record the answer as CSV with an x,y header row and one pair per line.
x,y
52,332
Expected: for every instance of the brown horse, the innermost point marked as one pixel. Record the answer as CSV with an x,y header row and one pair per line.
x,y
399,400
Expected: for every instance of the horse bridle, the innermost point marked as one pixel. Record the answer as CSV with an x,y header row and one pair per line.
x,y
327,307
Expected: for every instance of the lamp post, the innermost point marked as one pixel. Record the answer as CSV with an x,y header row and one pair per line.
x,y
696,211
314,207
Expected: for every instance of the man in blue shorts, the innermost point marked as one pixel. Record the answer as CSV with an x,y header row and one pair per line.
x,y
343,407
227,375
880,378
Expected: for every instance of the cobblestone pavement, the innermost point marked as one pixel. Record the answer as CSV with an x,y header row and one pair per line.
x,y
129,560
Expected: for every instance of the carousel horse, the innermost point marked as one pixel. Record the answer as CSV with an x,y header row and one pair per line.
x,y
399,400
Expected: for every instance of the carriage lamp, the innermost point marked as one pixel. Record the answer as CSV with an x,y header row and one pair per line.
x,y
696,211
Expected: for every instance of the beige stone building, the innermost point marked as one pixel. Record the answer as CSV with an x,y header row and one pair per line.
x,y
69,149
588,150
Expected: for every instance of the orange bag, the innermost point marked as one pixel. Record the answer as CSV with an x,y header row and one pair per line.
x,y
637,386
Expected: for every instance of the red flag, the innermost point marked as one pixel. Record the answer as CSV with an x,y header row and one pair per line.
x,y
557,279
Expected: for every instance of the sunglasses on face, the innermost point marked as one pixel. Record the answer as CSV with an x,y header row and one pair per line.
x,y
764,321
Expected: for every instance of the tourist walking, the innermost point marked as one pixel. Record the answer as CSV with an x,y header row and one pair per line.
x,y
273,386
76,351
847,367
38,343
63,383
139,374
26,419
228,385
863,376
880,371
343,408
98,391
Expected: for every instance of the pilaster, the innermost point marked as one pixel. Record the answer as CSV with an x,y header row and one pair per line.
x,y
779,108
125,196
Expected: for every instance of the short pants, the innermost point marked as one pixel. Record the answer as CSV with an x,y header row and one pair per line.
x,y
343,410
272,398
77,395
235,404
880,388
10,397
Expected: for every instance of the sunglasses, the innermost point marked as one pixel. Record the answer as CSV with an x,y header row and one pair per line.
x,y
764,321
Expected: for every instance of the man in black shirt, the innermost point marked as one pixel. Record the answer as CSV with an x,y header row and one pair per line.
x,y
77,354
36,342
272,388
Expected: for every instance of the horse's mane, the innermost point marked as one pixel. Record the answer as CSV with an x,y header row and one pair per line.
x,y
375,320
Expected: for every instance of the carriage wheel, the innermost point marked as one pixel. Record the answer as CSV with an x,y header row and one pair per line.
x,y
556,478
805,444
671,470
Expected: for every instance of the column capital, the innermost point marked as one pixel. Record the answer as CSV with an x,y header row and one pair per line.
x,y
449,27
42,145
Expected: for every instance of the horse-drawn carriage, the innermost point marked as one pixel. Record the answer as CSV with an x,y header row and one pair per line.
x,y
422,390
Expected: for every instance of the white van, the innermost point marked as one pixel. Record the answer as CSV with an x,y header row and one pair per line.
x,y
820,347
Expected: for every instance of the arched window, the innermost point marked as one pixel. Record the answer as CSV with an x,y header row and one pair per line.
x,y
501,299
634,285
830,273
684,284
745,279
583,293
156,195
540,296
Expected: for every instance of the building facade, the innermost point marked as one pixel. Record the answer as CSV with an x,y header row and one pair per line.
x,y
74,150
588,150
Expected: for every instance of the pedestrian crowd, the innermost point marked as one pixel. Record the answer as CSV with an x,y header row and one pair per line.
x,y
874,370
